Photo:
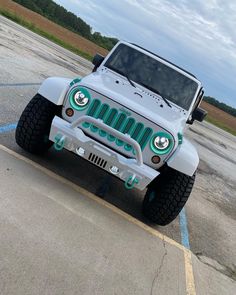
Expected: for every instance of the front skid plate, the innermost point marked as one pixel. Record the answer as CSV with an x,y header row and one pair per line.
x,y
76,141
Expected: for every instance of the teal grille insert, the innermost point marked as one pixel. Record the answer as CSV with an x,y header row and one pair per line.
x,y
102,133
128,147
119,142
111,138
93,108
143,140
102,111
86,125
94,129
137,131
120,121
111,117
128,127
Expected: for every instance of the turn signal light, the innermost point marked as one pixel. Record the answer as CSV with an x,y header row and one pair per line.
x,y
156,159
69,112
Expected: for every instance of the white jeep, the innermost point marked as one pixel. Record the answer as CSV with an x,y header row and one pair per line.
x,y
127,117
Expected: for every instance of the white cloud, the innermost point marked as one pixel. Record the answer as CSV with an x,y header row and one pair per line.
x,y
196,34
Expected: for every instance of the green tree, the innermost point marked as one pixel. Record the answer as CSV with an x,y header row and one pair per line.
x,y
69,20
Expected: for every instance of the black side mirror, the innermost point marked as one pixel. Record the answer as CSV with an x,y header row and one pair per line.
x,y
97,60
199,114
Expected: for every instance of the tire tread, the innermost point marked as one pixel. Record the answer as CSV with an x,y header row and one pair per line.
x,y
34,125
172,190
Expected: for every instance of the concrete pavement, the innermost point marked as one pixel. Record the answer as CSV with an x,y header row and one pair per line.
x,y
59,239
25,60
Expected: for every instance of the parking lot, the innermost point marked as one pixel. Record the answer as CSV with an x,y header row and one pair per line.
x,y
91,226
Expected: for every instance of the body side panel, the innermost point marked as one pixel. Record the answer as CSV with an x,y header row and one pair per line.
x,y
185,159
54,89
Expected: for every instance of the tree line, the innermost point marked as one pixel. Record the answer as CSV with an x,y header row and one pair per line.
x,y
220,105
69,20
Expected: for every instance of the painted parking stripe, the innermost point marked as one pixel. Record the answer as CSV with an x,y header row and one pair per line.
x,y
189,276
184,229
8,128
19,84
182,216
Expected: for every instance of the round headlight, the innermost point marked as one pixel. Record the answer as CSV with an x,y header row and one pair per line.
x,y
161,143
79,98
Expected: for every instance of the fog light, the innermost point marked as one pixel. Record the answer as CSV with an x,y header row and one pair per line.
x,y
114,170
156,159
80,151
69,112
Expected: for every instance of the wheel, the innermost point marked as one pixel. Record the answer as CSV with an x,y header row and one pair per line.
x,y
167,195
32,131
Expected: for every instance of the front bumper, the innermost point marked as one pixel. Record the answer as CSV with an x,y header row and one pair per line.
x,y
132,171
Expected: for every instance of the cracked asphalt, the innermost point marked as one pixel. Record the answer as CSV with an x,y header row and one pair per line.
x,y
211,210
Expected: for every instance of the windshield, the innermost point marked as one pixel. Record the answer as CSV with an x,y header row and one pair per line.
x,y
153,75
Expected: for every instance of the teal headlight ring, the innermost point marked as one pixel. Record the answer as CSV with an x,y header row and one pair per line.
x,y
162,151
72,100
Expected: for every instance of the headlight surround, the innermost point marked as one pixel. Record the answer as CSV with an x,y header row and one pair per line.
x,y
79,98
161,143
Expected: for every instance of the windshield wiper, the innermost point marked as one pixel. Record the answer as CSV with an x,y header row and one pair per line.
x,y
157,92
166,101
123,74
130,81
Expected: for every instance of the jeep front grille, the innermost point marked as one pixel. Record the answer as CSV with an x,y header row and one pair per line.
x,y
119,121
97,160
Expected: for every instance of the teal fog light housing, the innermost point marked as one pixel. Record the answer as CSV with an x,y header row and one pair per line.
x,y
79,98
161,143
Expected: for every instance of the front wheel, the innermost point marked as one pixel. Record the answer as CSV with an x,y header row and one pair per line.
x,y
167,195
32,132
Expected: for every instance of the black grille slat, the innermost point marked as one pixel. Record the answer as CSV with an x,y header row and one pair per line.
x,y
137,131
119,122
93,108
128,126
111,117
102,111
145,137
97,160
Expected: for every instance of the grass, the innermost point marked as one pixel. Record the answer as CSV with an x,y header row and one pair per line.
x,y
19,20
220,124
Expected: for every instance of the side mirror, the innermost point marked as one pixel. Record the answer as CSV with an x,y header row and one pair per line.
x,y
199,114
97,60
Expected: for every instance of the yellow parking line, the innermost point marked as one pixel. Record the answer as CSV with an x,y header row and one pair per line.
x,y
189,277
190,285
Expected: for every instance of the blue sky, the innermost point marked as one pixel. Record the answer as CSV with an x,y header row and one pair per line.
x,y
198,35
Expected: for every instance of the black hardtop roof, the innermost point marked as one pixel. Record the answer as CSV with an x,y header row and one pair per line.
x,y
164,60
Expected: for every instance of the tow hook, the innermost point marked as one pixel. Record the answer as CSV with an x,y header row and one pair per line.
x,y
59,142
131,181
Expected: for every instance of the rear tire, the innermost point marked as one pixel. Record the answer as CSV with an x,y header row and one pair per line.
x,y
32,132
167,195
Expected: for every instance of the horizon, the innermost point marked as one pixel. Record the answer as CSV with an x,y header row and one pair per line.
x,y
195,31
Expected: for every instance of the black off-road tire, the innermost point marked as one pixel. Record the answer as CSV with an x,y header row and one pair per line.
x,y
167,195
32,132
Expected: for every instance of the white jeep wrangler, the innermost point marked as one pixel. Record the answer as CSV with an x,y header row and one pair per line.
x,y
128,118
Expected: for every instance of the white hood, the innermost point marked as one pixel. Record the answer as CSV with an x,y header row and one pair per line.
x,y
139,99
